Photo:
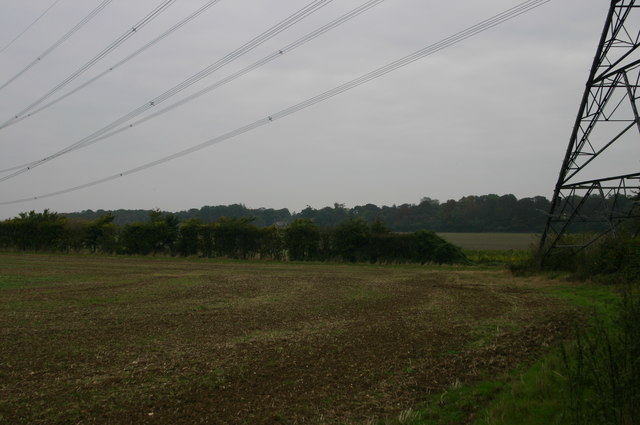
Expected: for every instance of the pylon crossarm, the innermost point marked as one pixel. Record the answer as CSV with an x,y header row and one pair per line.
x,y
608,75
575,168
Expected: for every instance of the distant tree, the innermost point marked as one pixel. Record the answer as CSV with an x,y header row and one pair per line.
x,y
402,218
326,245
248,239
352,240
266,217
379,228
188,243
206,240
271,243
330,217
156,216
379,241
74,230
157,236
37,231
165,231
327,216
301,240
369,213
138,239
236,237
5,235
485,213
100,234
307,213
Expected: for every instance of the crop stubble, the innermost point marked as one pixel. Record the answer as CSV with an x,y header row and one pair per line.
x,y
96,340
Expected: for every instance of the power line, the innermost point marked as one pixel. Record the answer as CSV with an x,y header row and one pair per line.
x,y
110,48
278,53
474,30
29,26
245,48
156,40
57,44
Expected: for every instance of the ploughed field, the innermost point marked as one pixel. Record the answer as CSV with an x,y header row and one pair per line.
x,y
100,340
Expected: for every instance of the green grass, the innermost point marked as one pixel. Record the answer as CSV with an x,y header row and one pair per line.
x,y
538,396
491,241
603,301
458,405
486,257
531,395
534,396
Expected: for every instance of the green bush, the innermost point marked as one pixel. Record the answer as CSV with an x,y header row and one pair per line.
x,y
616,256
351,240
431,248
301,240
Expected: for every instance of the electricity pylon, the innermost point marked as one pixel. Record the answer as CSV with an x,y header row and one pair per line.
x,y
597,189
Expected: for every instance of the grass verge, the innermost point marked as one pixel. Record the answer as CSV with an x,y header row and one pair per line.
x,y
589,380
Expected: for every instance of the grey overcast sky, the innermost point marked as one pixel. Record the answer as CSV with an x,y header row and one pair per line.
x,y
492,114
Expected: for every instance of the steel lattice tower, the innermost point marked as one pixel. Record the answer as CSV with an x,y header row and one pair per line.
x,y
597,189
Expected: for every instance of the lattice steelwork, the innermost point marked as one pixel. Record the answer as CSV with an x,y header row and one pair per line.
x,y
597,189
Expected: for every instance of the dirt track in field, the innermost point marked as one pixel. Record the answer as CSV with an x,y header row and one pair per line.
x,y
92,340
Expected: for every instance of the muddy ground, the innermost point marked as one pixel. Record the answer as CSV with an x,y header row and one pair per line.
x,y
97,340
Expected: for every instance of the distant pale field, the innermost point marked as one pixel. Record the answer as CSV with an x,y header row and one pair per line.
x,y
491,240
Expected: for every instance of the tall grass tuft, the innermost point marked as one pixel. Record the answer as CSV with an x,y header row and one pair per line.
x,y
603,369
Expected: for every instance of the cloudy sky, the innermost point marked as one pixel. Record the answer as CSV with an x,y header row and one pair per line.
x,y
492,114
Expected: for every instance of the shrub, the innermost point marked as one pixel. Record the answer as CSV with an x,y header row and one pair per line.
x,y
431,248
301,240
352,240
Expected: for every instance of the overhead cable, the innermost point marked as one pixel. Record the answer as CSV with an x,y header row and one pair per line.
x,y
57,44
474,30
110,48
156,40
252,44
29,26
276,54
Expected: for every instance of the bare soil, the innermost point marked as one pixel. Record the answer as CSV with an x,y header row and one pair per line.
x,y
98,340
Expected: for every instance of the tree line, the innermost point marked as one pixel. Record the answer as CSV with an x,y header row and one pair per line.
x,y
352,240
486,213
